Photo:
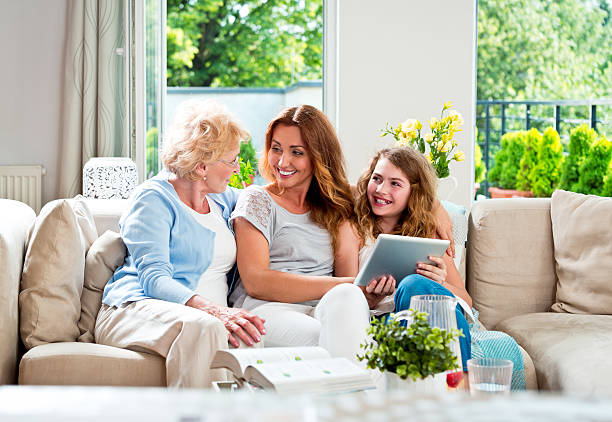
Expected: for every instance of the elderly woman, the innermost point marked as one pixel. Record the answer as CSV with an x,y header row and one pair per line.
x,y
169,297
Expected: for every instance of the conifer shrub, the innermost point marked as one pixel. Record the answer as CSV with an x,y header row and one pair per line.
x,y
595,168
507,160
581,139
545,174
528,161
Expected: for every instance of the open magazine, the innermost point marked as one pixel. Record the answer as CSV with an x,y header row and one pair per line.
x,y
293,370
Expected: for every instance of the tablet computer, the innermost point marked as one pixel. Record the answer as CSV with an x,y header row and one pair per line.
x,y
398,255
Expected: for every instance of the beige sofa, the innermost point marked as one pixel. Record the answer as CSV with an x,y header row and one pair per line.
x,y
66,362
511,276
514,267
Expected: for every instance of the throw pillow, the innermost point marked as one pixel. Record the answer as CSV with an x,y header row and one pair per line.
x,y
582,235
52,278
105,255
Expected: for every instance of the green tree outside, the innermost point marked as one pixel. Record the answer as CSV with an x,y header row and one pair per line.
x,y
594,169
244,43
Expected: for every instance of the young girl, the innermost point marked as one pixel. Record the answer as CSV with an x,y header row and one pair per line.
x,y
396,195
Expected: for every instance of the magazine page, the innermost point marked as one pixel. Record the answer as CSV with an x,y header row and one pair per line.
x,y
238,360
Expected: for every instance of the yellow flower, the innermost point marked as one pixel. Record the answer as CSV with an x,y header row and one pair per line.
x,y
447,105
429,138
444,146
409,125
433,123
459,156
418,125
456,118
428,156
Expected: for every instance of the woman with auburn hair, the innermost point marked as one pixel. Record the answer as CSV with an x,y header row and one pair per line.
x,y
169,296
286,232
397,195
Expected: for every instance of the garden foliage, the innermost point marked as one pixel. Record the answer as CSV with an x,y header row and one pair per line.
x,y
595,168
524,180
507,160
581,139
544,176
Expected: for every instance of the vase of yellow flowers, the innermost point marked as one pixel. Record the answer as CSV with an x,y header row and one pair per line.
x,y
439,146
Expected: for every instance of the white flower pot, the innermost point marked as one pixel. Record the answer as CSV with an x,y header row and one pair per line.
x,y
434,384
446,187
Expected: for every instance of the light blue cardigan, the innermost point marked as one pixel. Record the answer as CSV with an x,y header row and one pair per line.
x,y
168,250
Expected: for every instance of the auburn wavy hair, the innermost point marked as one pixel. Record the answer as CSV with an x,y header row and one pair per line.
x,y
329,195
417,219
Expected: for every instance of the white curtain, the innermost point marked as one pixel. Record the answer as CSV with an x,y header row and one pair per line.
x,y
94,106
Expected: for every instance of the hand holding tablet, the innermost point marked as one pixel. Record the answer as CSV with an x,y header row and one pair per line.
x,y
398,256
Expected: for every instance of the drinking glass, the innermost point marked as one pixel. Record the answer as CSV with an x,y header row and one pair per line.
x,y
489,376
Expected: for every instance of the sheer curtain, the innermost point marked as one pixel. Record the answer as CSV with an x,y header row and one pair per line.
x,y
94,104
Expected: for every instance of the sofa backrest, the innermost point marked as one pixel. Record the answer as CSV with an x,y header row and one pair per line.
x,y
17,218
510,258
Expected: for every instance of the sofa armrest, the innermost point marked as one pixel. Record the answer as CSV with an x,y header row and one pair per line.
x,y
17,218
510,258
107,212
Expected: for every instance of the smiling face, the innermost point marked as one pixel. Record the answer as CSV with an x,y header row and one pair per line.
x,y
219,172
388,191
288,158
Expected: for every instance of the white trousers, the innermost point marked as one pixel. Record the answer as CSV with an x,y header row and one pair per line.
x,y
337,323
186,337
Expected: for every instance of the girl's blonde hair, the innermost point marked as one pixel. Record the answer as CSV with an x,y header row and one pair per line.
x,y
417,219
329,195
201,132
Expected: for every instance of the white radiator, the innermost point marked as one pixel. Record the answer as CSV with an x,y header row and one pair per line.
x,y
22,183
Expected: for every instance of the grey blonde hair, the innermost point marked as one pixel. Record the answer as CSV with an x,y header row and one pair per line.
x,y
201,132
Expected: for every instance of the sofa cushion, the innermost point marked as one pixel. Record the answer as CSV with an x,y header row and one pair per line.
x,y
582,234
104,256
52,279
90,364
16,220
570,352
510,263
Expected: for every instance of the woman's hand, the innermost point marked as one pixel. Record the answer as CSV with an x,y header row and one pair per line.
x,y
378,289
242,325
436,272
444,227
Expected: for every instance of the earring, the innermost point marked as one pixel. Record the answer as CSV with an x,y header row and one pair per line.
x,y
204,178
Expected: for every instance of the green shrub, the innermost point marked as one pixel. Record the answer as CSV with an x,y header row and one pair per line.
x,y
595,168
507,160
607,187
479,167
152,151
545,174
417,351
581,139
248,153
533,139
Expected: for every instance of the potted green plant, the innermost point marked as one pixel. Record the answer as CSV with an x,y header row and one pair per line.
x,y
580,141
507,164
607,186
417,353
595,168
544,176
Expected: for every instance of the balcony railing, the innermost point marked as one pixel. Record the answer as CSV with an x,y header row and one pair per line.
x,y
494,118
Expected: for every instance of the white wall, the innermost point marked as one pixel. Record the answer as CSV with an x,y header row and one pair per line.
x,y
402,59
32,36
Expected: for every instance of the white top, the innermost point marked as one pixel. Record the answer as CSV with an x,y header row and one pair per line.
x,y
213,282
296,244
